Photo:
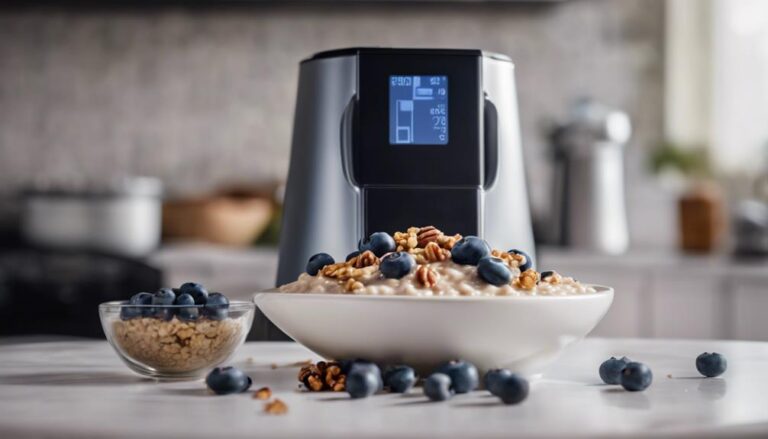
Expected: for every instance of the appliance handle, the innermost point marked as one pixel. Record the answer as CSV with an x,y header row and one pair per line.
x,y
347,136
491,143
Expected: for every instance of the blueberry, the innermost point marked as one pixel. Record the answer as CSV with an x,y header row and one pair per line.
x,y
711,365
399,379
348,367
129,312
437,387
217,307
610,370
528,260
494,271
636,376
493,377
396,265
380,243
163,297
464,375
187,314
224,380
546,274
197,291
352,255
512,389
362,382
469,250
317,262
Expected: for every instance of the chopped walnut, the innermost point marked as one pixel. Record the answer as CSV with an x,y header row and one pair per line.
x,y
434,253
276,407
365,259
512,260
263,393
527,279
427,235
323,376
426,276
447,242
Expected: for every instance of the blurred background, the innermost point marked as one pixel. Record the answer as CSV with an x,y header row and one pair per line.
x,y
146,144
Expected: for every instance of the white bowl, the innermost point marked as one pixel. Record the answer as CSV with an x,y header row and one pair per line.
x,y
521,333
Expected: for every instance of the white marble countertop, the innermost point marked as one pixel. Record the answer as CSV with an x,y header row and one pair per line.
x,y
80,389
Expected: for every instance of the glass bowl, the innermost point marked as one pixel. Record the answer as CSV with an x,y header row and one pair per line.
x,y
175,341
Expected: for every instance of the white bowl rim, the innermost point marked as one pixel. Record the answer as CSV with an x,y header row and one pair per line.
x,y
602,291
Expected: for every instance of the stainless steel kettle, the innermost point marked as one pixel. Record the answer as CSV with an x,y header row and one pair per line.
x,y
589,210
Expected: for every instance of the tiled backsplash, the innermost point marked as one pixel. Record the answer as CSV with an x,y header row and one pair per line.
x,y
203,96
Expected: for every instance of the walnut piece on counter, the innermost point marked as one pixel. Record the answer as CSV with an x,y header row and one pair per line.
x,y
263,393
323,376
276,407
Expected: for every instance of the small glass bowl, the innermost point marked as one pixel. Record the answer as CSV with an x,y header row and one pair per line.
x,y
170,347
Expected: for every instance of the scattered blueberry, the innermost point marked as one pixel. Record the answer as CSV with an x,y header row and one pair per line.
x,y
217,307
354,254
494,271
493,377
464,375
164,297
187,314
362,382
711,365
128,312
528,260
636,376
380,243
610,370
224,380
197,291
437,387
512,389
318,261
399,379
396,265
366,366
546,274
469,250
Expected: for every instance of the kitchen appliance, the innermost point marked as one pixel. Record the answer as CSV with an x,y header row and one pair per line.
x,y
589,210
389,138
119,218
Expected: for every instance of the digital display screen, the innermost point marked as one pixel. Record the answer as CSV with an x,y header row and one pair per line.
x,y
418,110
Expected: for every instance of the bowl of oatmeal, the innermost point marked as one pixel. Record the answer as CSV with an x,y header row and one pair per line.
x,y
424,301
156,341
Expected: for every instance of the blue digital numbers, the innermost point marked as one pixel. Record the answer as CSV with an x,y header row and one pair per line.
x,y
418,110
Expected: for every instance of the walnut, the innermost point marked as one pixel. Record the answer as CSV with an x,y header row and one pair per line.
x,y
365,259
323,376
427,276
551,277
527,279
407,240
263,393
447,242
276,407
426,235
353,285
434,253
512,260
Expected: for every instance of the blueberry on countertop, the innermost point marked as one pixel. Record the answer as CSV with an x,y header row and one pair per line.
x,y
380,243
711,364
196,290
217,307
163,296
492,379
494,271
396,265
636,376
362,382
348,366
528,260
127,312
512,389
187,314
610,370
225,380
469,250
399,378
464,375
354,254
317,262
437,387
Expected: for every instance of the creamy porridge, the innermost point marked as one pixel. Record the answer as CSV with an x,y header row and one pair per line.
x,y
425,262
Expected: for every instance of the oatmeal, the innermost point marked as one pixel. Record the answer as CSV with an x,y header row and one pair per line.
x,y
425,262
177,346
